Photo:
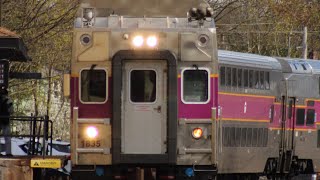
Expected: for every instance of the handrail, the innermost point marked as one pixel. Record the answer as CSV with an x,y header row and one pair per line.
x,y
39,127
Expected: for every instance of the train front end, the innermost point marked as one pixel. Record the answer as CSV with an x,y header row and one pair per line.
x,y
143,92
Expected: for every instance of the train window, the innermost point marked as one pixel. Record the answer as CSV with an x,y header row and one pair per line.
x,y
249,137
239,78
300,117
93,85
310,103
234,77
310,117
225,136
267,80
254,137
265,137
256,80
228,76
143,86
246,78
260,137
222,76
238,137
271,113
261,80
195,86
304,67
251,79
243,137
232,137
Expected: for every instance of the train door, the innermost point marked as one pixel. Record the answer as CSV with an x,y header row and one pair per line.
x,y
144,107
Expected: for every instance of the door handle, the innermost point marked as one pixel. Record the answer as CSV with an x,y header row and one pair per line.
x,y
158,109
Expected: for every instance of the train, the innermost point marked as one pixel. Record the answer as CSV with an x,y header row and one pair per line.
x,y
152,97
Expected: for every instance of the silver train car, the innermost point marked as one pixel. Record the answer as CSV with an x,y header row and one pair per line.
x,y
269,123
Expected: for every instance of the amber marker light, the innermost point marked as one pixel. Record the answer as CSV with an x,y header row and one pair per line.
x,y
197,133
137,41
152,41
92,132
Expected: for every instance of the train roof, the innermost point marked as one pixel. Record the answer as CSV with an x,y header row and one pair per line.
x,y
302,66
140,8
248,60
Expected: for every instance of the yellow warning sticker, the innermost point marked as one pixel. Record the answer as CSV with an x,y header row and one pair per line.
x,y
46,163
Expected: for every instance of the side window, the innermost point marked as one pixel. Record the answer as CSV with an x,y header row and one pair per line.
x,y
251,79
239,78
271,113
310,117
93,84
267,80
261,80
195,86
228,75
300,117
256,80
246,78
234,77
222,76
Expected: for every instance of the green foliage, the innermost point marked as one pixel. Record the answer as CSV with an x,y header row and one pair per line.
x,y
46,28
270,27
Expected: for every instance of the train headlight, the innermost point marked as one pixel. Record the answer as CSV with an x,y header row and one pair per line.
x,y
152,41
92,132
197,133
137,41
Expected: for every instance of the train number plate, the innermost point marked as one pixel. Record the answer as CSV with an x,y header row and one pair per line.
x,y
85,143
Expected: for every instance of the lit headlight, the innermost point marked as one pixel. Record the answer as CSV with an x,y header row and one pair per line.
x,y
137,41
92,132
197,133
152,41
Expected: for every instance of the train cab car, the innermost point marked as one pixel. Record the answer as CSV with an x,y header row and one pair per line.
x,y
143,88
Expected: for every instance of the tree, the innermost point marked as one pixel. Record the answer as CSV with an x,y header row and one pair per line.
x,y
45,26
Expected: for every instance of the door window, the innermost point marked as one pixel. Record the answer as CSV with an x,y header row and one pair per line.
x,y
143,86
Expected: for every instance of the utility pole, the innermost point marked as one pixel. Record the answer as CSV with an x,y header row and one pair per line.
x,y
304,43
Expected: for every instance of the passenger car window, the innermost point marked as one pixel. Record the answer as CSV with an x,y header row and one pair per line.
x,y
256,80
267,80
234,77
246,78
251,79
222,76
195,86
228,75
310,117
93,85
300,117
261,80
239,78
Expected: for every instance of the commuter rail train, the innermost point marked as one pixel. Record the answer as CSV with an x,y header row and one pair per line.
x,y
147,100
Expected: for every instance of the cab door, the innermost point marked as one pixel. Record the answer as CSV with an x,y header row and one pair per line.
x,y
144,107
